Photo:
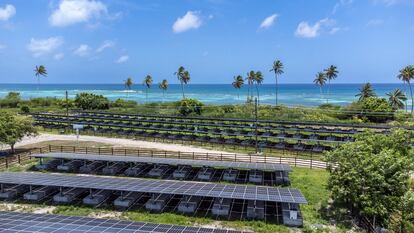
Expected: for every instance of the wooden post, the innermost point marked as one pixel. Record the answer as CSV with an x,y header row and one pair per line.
x,y
7,162
295,161
311,162
18,158
112,151
50,148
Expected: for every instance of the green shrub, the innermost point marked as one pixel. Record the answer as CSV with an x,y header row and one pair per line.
x,y
189,106
372,109
90,101
11,100
25,109
121,103
43,101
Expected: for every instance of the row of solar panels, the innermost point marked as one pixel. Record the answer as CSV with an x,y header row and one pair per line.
x,y
279,145
213,131
178,169
220,125
17,222
235,121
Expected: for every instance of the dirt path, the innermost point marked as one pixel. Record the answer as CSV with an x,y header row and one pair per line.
x,y
117,142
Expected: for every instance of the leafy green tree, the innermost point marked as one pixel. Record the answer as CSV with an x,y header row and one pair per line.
x,y
14,127
147,83
189,106
371,175
90,101
278,70
331,74
128,85
365,92
163,85
406,75
238,83
396,99
320,80
40,71
11,100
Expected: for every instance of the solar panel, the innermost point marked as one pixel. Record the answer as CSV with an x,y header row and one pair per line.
x,y
27,222
190,188
174,162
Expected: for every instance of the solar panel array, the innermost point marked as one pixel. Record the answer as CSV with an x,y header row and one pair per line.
x,y
25,222
189,188
169,161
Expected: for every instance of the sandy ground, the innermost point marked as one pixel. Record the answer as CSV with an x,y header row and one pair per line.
x,y
117,142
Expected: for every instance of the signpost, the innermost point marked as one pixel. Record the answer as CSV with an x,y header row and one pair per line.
x,y
77,128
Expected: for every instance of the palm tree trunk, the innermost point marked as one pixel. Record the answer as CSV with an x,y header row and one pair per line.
x,y
238,94
163,95
412,98
38,84
320,89
146,96
257,91
329,91
182,89
276,89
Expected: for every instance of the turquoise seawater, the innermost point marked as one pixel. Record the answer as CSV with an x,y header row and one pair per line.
x,y
289,94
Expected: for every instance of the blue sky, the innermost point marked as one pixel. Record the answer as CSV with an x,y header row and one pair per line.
x,y
105,41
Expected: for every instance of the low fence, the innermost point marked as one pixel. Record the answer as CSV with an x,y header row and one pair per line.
x,y
293,161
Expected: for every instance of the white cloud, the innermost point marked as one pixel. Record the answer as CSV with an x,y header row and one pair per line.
x,y
191,20
7,12
76,11
2,46
58,56
122,59
375,22
334,30
44,46
307,30
341,3
269,21
82,51
105,45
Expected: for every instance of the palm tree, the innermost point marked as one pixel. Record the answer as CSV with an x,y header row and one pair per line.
x,y
128,85
331,74
406,75
396,99
40,71
238,83
184,77
278,69
147,82
250,81
320,80
365,92
163,86
258,79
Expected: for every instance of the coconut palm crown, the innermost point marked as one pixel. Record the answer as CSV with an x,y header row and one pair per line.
x,y
40,71
147,82
365,92
331,74
238,83
396,99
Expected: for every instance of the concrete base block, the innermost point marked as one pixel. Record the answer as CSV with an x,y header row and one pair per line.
x,y
39,193
255,209
97,197
189,205
221,207
157,202
127,200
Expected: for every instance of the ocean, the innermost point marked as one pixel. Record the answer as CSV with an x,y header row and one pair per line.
x,y
289,94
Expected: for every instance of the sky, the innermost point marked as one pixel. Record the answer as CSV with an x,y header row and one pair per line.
x,y
106,41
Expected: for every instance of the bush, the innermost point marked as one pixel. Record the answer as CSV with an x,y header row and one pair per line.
x,y
90,101
25,109
372,109
43,101
189,106
11,100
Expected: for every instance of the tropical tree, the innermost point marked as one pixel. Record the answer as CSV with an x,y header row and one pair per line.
x,y
184,76
128,85
250,81
13,128
320,80
406,75
278,70
258,79
163,85
396,99
331,74
147,83
40,71
365,92
238,83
